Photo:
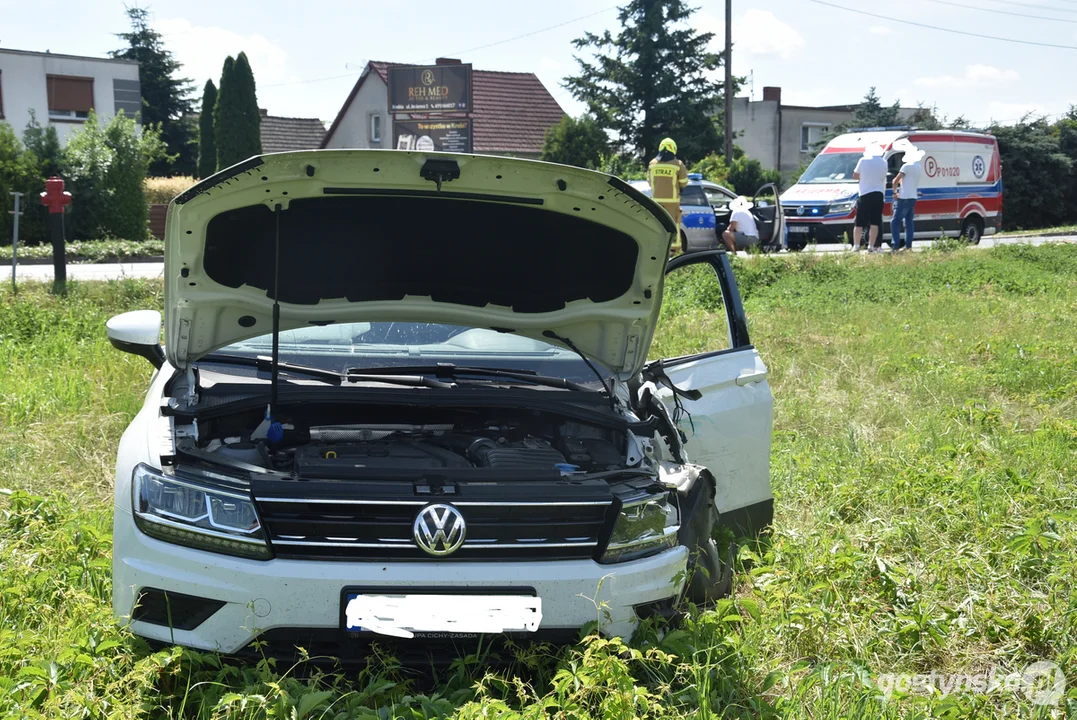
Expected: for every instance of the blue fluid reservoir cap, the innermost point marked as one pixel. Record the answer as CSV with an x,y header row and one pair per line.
x,y
275,433
567,468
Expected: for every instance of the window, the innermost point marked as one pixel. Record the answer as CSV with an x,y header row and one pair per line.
x,y
693,317
692,196
69,97
811,134
1,94
718,199
375,128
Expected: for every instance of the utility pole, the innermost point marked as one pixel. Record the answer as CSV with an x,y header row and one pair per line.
x,y
728,81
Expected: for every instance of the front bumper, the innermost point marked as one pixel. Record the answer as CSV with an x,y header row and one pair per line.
x,y
261,596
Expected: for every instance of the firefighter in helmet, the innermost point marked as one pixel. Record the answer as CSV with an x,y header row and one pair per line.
x,y
667,175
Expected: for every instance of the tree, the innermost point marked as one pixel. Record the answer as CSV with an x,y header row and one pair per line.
x,y
107,167
1036,172
871,113
713,168
746,176
166,99
652,80
237,124
207,143
576,142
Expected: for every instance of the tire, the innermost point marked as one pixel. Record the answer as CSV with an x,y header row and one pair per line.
x,y
797,245
973,229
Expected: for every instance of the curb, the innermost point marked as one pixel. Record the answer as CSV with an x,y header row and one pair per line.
x,y
82,260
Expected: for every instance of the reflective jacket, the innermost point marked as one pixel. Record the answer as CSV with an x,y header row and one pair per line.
x,y
667,177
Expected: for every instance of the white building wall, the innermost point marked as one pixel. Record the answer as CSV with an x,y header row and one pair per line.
x,y
22,82
353,130
755,128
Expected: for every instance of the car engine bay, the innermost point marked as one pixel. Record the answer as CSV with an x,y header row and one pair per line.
x,y
451,440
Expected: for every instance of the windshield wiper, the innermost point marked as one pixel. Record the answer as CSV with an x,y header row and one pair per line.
x,y
452,371
261,362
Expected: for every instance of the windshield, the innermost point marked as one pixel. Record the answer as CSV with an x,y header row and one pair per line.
x,y
339,347
832,168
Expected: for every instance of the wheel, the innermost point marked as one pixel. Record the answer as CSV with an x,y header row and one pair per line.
x,y
973,229
797,245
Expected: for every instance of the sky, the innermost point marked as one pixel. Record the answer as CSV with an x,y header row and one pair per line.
x,y
307,55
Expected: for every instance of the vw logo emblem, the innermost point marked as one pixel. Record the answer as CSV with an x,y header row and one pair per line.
x,y
439,529
800,210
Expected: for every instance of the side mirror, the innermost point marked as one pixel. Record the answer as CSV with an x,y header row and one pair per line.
x,y
138,333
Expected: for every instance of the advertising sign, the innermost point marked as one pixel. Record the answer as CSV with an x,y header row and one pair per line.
x,y
442,135
430,89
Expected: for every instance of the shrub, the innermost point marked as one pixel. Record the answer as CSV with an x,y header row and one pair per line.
x,y
163,189
107,167
747,175
15,175
576,142
713,168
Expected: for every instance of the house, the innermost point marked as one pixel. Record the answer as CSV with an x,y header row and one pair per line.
x,y
511,114
280,134
784,137
61,90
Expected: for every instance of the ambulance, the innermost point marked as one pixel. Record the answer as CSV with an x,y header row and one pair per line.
x,y
960,189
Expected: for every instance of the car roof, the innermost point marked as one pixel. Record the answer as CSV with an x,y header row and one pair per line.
x,y
645,187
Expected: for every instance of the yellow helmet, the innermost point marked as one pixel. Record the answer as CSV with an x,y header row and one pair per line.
x,y
668,144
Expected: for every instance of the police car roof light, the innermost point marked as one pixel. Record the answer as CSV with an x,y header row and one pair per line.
x,y
695,176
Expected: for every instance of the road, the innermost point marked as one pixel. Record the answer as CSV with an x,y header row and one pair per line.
x,y
113,271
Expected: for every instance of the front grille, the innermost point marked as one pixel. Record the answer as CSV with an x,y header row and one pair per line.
x,y
349,529
791,211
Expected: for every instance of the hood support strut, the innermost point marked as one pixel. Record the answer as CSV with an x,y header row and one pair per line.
x,y
270,428
275,368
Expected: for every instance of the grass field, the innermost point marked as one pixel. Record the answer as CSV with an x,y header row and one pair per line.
x,y
924,474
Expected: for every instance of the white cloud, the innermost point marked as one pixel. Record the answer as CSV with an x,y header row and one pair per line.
x,y
1012,112
975,76
879,30
202,50
756,32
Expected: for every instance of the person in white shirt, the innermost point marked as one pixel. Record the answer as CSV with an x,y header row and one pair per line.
x,y
742,232
871,172
906,188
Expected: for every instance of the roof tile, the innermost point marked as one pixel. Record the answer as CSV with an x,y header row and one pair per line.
x,y
280,134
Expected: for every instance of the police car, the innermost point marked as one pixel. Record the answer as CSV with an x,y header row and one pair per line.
x,y
705,213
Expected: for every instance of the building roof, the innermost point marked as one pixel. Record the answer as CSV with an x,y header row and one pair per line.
x,y
512,110
68,57
280,134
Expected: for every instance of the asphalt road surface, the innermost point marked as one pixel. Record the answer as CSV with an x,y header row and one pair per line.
x,y
114,271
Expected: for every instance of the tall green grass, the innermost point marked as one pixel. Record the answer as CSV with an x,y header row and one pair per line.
x,y
924,474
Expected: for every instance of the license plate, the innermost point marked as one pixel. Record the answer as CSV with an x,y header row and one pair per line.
x,y
404,615
798,228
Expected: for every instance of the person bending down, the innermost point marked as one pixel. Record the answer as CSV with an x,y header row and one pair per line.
x,y
742,232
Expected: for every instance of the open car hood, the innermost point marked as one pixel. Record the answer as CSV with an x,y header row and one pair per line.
x,y
386,235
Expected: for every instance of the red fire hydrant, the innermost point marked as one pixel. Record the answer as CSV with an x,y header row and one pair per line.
x,y
55,198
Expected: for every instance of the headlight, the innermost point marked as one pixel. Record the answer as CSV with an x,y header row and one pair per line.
x,y
843,207
647,525
185,513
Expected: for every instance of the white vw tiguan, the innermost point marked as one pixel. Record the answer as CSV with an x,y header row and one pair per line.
x,y
407,395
